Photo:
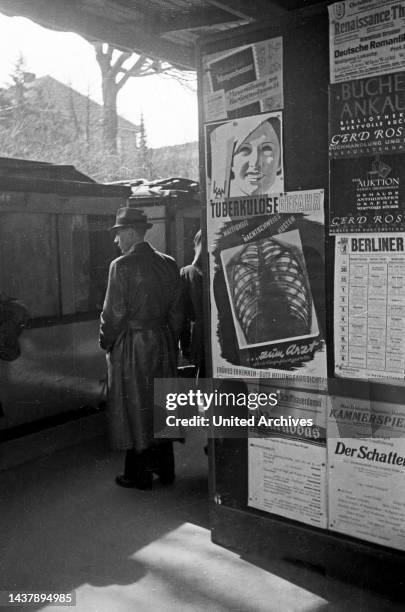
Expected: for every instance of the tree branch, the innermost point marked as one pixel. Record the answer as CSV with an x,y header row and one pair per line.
x,y
116,67
141,67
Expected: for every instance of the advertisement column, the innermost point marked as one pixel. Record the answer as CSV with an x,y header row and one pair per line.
x,y
266,246
266,265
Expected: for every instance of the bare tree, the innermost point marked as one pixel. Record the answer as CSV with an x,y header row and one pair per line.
x,y
116,68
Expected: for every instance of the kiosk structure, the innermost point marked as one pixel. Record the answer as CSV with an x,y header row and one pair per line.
x,y
301,145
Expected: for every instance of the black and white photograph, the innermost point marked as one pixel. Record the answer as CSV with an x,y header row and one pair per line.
x,y
202,305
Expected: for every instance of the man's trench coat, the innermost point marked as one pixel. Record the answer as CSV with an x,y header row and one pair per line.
x,y
139,328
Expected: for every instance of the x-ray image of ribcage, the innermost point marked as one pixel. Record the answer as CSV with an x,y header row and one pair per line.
x,y
270,292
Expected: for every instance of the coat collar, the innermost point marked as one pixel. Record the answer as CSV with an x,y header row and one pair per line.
x,y
141,247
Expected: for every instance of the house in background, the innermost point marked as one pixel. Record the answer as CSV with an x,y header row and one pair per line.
x,y
46,120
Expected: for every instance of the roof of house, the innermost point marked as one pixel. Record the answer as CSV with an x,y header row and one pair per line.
x,y
74,104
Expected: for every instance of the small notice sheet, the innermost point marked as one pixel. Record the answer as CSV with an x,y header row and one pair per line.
x,y
366,470
287,462
369,317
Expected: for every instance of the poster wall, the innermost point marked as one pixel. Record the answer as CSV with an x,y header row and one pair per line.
x,y
244,81
366,470
366,38
267,286
369,306
287,461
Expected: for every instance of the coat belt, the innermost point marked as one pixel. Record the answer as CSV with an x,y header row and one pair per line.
x,y
141,324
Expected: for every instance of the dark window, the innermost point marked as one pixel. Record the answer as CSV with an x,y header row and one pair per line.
x,y
56,264
29,263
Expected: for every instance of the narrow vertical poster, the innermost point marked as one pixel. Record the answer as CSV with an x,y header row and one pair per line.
x,y
287,458
267,286
369,307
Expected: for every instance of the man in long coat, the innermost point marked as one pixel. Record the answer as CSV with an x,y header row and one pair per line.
x,y
139,328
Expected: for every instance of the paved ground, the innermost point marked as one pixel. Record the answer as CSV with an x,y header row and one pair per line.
x,y
65,526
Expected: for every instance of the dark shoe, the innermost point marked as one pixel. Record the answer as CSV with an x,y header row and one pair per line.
x,y
123,481
143,482
137,472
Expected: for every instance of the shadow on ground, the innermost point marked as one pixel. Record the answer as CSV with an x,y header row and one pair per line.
x,y
65,526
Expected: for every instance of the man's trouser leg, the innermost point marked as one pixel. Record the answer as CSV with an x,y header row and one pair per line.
x,y
138,469
164,463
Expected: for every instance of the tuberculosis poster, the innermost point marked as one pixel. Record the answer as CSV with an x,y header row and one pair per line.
x,y
243,81
367,37
287,459
369,307
366,470
267,286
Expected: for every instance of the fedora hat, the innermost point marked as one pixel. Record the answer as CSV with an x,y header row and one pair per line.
x,y
130,217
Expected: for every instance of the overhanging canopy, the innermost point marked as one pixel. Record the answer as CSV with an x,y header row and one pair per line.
x,y
165,29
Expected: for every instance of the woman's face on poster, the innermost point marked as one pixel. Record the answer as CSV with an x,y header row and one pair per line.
x,y
256,161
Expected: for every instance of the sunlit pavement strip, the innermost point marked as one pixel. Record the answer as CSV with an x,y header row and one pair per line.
x,y
184,571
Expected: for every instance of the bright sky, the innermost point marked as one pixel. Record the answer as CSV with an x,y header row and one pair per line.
x,y
170,111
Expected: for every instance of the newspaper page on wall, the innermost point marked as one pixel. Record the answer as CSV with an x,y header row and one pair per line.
x,y
366,38
366,470
243,81
369,306
266,250
287,460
